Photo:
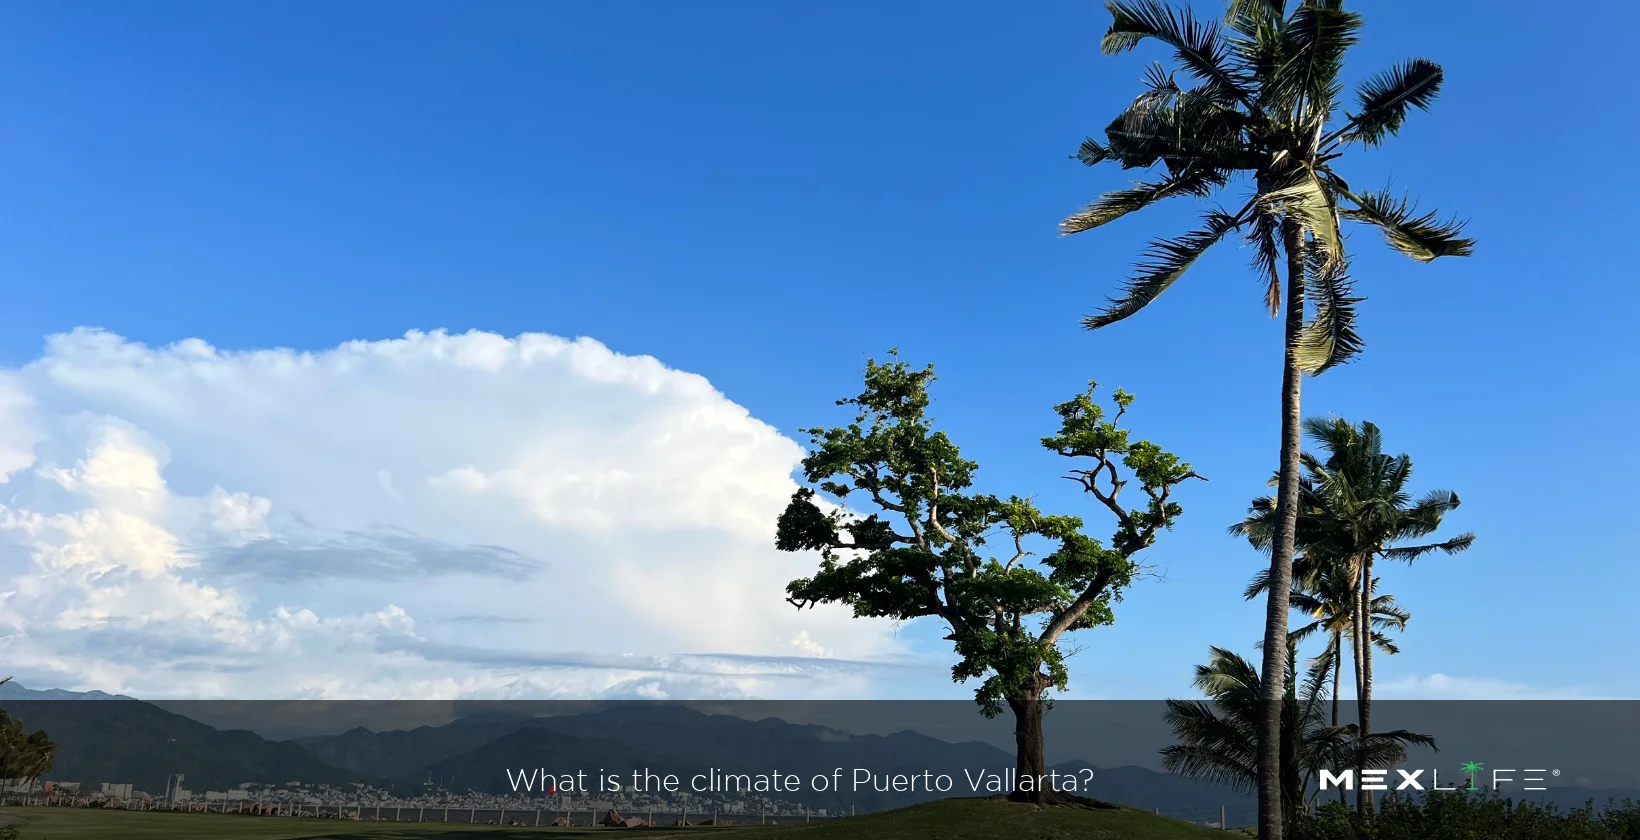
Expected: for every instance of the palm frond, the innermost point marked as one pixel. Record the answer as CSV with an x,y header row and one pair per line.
x,y
1314,41
1252,13
1259,584
1329,339
1147,109
1315,691
1408,553
1159,81
1267,258
1226,674
1306,603
1198,44
1387,749
1385,644
1384,99
1388,614
1422,238
1163,263
1114,205
1092,152
1311,203
1430,508
1216,749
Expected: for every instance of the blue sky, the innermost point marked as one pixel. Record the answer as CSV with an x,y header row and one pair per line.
x,y
764,194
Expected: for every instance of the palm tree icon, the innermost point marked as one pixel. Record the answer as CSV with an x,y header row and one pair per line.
x,y
1472,768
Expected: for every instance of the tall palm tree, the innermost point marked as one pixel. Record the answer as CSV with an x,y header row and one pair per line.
x,y
1218,740
1328,598
1259,102
1354,510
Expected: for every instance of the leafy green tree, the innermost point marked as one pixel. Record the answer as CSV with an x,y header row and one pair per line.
x,y
1218,739
1355,510
23,754
1256,99
917,544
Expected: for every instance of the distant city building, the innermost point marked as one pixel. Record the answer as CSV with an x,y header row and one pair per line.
x,y
117,791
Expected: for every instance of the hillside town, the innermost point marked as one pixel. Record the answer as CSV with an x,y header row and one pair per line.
x,y
432,804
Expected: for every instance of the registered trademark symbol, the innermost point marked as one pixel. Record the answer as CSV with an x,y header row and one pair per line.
x,y
1554,772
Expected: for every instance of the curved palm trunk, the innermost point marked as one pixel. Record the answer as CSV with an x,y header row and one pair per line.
x,y
1281,550
1031,761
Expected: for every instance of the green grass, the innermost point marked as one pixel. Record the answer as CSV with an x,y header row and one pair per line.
x,y
952,819
984,819
92,824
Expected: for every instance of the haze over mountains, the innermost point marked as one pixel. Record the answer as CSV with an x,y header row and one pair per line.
x,y
671,739
125,740
13,691
119,739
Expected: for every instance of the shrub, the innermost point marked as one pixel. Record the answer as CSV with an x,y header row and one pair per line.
x,y
1460,817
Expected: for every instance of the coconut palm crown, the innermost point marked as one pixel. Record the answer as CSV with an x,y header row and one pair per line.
x,y
1260,97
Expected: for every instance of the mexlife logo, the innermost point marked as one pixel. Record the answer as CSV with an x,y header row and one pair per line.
x,y
1413,779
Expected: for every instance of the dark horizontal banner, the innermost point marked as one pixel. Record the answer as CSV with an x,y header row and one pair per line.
x,y
760,756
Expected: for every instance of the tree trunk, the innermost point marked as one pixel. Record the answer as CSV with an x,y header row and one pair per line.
x,y
1338,670
1031,760
1364,702
1337,675
1293,795
1273,676
1358,652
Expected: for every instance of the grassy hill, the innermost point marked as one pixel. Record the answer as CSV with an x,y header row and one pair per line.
x,y
951,819
984,819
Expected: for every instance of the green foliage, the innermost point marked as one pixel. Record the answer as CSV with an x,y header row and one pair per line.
x,y
1445,816
23,754
1218,739
1263,98
1354,504
904,535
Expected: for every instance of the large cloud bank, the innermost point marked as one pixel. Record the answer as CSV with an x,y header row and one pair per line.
x,y
432,516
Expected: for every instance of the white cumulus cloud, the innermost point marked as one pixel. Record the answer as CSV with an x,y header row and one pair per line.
x,y
432,516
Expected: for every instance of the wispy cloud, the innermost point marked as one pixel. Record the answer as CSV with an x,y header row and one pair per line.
x,y
1449,687
382,554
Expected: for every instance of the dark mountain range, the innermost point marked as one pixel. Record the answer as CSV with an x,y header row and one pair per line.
x,y
118,740
403,754
496,766
672,739
140,743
